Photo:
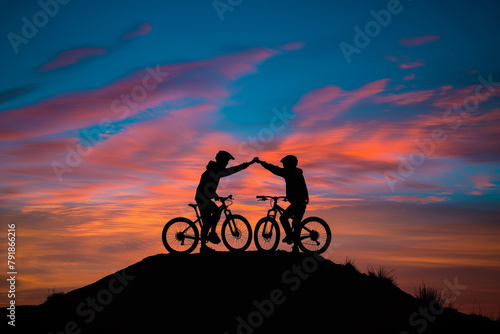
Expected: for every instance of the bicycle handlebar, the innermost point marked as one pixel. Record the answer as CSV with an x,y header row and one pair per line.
x,y
276,198
222,199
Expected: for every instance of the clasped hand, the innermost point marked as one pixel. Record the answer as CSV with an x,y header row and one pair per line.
x,y
256,159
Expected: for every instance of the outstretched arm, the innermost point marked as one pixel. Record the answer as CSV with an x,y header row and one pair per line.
x,y
272,168
236,169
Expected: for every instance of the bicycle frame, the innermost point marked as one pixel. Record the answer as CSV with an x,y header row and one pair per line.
x,y
272,213
276,208
223,208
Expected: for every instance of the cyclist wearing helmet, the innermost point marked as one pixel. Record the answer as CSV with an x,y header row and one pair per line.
x,y
296,192
206,191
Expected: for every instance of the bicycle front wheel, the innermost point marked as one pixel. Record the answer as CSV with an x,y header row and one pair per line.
x,y
180,235
236,233
267,234
314,235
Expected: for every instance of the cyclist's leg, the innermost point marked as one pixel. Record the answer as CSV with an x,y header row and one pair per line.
x,y
287,214
210,219
206,208
298,213
215,217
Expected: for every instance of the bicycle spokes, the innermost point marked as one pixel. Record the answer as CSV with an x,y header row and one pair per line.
x,y
315,236
311,234
181,236
267,235
236,233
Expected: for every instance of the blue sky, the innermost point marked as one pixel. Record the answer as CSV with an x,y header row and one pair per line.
x,y
183,33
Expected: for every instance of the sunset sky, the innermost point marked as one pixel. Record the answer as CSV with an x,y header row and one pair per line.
x,y
110,111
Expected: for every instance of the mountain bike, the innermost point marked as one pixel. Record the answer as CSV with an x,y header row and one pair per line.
x,y
181,235
314,233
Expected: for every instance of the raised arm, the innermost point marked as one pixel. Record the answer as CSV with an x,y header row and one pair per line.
x,y
272,168
236,169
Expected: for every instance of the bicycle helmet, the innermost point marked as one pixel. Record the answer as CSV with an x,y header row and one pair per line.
x,y
223,156
290,160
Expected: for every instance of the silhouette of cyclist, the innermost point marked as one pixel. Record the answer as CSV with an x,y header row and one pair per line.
x,y
296,192
206,191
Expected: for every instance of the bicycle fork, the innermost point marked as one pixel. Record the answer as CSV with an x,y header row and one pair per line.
x,y
269,233
235,232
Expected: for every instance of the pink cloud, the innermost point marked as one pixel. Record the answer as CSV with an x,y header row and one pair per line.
x,y
482,181
235,65
412,64
292,46
143,29
328,102
391,58
207,79
405,98
409,77
354,152
418,40
475,193
415,199
70,57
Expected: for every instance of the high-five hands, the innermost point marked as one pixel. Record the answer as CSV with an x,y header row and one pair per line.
x,y
256,159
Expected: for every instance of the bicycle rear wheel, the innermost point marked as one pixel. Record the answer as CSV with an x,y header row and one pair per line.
x,y
180,235
236,233
314,235
267,234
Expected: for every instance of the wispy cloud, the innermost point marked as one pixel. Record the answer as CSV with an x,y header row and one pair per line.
x,y
415,199
409,77
76,55
70,57
412,64
142,29
203,80
292,46
418,40
327,102
482,181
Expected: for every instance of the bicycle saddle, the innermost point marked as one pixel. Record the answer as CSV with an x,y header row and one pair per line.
x,y
193,205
